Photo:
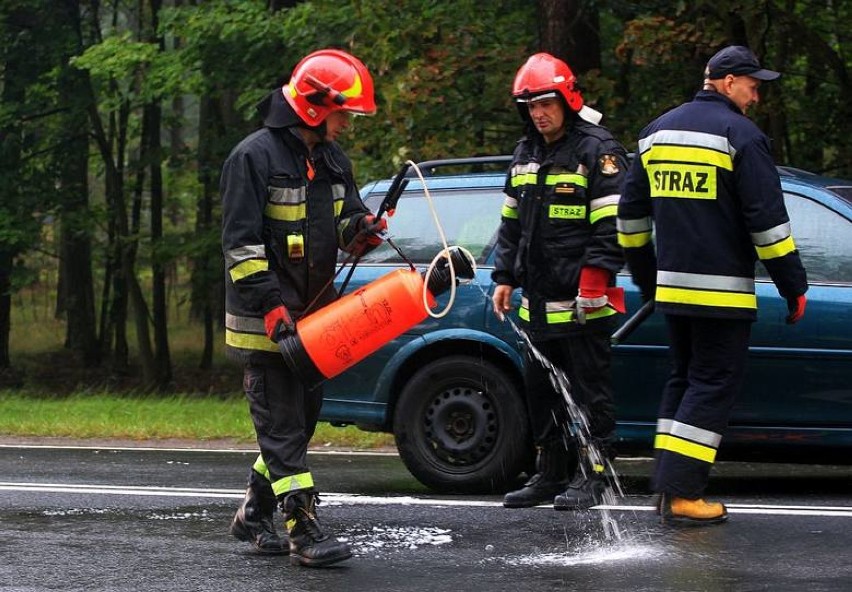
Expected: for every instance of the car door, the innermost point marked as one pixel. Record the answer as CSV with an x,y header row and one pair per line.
x,y
801,375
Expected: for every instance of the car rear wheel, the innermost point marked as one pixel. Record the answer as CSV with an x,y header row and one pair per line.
x,y
460,426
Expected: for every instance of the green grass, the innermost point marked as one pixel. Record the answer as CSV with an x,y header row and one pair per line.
x,y
143,418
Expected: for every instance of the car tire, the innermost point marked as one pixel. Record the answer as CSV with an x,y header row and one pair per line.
x,y
461,427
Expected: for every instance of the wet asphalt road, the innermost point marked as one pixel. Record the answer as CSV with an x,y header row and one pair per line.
x,y
150,520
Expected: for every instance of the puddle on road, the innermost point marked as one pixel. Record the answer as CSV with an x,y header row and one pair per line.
x,y
594,555
395,539
80,512
202,515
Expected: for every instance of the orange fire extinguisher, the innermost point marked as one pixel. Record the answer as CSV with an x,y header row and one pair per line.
x,y
339,335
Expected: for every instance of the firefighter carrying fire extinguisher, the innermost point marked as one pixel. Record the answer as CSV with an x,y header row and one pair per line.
x,y
289,202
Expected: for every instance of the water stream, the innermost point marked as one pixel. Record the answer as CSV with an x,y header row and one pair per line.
x,y
577,428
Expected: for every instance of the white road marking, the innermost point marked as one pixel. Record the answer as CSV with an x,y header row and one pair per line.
x,y
312,451
354,499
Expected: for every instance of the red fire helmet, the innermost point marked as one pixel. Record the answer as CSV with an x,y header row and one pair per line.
x,y
329,80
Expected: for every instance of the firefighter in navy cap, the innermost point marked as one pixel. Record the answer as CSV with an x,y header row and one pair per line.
x,y
557,242
705,183
289,202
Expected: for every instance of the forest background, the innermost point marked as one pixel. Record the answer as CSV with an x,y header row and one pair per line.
x,y
115,118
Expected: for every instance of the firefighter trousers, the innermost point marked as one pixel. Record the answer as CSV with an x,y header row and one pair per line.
x,y
285,414
584,357
708,358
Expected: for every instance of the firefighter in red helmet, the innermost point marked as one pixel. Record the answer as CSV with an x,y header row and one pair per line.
x,y
289,202
557,242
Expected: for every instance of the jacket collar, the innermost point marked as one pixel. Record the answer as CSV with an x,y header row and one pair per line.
x,y
713,96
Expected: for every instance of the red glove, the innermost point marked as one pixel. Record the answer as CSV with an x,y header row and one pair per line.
x,y
278,324
368,237
796,307
372,229
592,294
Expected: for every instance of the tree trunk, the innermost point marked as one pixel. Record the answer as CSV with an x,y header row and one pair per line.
x,y
76,294
570,31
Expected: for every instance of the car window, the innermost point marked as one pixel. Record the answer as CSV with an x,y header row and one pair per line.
x,y
824,240
469,217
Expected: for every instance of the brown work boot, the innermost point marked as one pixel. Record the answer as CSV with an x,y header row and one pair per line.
x,y
679,511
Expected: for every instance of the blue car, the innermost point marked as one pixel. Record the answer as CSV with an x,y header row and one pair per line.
x,y
450,389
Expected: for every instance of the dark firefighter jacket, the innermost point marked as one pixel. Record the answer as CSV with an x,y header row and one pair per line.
x,y
705,177
558,216
281,229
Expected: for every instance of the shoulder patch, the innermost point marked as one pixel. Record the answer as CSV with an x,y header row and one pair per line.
x,y
608,165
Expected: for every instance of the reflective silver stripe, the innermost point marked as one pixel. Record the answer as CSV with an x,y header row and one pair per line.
x,y
523,169
583,170
602,202
553,306
287,195
245,324
703,281
338,190
559,305
633,226
771,236
234,256
550,95
685,138
510,202
692,433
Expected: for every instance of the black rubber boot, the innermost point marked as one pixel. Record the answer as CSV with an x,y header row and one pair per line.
x,y
583,492
554,465
254,520
309,545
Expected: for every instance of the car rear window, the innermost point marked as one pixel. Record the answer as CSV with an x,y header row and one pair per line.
x,y
469,217
823,238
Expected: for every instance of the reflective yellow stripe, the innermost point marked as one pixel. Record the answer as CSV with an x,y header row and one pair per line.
x,y
780,249
251,341
554,318
247,268
603,212
632,241
598,468
705,298
260,466
567,316
288,213
338,206
691,154
511,213
685,448
524,179
293,483
574,178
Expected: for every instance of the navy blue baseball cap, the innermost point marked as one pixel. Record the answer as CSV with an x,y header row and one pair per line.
x,y
739,61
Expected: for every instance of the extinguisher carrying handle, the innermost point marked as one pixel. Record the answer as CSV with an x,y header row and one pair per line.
x,y
631,324
395,190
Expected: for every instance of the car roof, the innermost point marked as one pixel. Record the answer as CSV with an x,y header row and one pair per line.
x,y
490,171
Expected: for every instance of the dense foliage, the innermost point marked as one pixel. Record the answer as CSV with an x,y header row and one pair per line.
x,y
115,119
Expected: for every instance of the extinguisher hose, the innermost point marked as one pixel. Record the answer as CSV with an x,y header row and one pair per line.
x,y
445,253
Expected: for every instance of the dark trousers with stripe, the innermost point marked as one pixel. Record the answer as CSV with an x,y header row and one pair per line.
x,y
285,415
585,359
708,364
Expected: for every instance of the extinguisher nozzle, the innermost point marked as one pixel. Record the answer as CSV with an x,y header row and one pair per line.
x,y
298,360
439,279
